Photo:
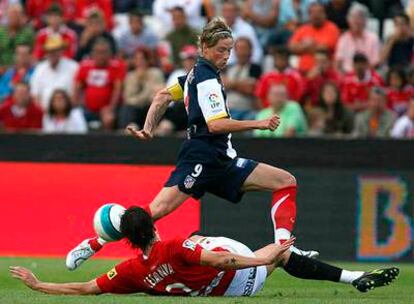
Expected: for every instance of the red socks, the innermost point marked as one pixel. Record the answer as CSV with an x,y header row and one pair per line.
x,y
95,245
283,213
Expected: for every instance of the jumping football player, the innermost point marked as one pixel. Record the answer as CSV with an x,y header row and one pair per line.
x,y
207,161
201,266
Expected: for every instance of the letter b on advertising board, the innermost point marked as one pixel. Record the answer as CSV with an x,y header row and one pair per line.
x,y
384,219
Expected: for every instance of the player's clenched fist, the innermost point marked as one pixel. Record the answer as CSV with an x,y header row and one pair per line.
x,y
140,134
269,124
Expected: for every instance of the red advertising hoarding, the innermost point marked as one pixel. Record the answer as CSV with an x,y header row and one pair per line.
x,y
47,208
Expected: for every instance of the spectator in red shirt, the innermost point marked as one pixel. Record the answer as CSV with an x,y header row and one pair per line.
x,y
56,26
357,84
19,112
281,74
100,81
320,74
399,92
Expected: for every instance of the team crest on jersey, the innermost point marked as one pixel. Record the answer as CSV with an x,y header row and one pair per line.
x,y
189,182
112,273
189,245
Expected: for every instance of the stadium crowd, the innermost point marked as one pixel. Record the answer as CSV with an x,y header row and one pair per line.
x,y
328,68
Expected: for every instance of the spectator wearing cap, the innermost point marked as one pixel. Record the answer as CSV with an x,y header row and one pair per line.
x,y
240,28
376,120
19,112
55,26
357,40
398,50
93,31
141,85
318,34
404,126
98,85
138,35
14,33
21,71
182,34
357,84
282,73
55,72
240,81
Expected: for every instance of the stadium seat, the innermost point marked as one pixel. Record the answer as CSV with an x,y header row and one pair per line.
x,y
156,26
374,25
121,23
388,28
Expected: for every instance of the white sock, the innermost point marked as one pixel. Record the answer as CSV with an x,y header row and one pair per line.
x,y
281,234
349,276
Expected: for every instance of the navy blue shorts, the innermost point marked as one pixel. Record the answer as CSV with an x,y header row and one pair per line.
x,y
204,170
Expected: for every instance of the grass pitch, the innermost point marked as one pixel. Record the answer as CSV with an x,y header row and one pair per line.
x,y
279,288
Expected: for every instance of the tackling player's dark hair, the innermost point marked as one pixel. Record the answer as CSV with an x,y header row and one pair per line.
x,y
138,227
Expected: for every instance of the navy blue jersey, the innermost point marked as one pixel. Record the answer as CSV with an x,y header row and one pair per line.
x,y
205,100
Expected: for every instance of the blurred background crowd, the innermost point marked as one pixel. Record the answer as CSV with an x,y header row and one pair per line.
x,y
328,68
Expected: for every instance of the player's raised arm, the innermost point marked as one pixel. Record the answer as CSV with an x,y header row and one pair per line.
x,y
30,280
224,260
226,125
157,109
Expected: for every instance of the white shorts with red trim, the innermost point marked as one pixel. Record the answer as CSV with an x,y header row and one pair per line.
x,y
246,282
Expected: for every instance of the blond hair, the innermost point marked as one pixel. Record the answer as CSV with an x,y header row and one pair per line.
x,y
214,31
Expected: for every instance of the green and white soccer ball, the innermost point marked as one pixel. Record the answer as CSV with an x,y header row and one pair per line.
x,y
107,222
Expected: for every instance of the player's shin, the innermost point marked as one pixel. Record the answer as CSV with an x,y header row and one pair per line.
x,y
283,213
311,269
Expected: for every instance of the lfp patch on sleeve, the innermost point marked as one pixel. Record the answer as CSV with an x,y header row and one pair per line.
x,y
112,273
